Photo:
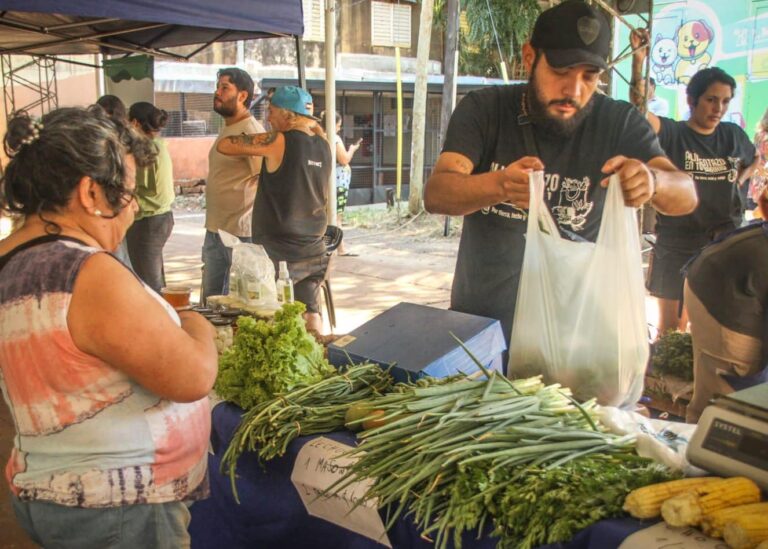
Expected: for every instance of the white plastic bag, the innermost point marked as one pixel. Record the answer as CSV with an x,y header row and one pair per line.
x,y
580,316
252,274
663,441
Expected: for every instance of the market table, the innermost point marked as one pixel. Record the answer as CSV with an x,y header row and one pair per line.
x,y
272,515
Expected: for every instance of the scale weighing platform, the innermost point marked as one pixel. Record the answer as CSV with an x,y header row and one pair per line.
x,y
731,437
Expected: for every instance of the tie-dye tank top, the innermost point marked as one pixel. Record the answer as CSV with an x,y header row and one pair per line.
x,y
87,434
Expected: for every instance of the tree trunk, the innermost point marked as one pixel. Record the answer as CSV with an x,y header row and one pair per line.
x,y
419,108
449,65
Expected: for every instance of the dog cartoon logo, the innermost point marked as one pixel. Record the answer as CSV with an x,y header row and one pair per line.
x,y
573,208
693,40
663,57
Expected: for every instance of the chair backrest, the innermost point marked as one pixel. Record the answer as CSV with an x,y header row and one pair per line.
x,y
332,238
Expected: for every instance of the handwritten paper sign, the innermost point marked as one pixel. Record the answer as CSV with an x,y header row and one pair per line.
x,y
663,536
318,465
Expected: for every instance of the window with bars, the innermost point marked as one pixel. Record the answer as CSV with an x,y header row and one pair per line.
x,y
314,20
189,114
390,24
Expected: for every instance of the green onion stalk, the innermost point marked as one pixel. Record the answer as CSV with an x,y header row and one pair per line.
x,y
269,427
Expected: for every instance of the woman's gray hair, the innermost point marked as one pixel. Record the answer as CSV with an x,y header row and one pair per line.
x,y
51,156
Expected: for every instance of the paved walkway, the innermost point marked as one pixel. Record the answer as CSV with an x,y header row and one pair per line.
x,y
391,266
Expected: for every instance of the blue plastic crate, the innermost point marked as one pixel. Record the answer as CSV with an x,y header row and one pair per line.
x,y
416,341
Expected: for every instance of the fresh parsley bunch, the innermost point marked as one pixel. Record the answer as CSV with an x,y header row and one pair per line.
x,y
673,355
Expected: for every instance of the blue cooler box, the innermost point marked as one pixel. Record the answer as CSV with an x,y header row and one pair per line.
x,y
416,340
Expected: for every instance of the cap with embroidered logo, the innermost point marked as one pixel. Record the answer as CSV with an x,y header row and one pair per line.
x,y
572,33
294,99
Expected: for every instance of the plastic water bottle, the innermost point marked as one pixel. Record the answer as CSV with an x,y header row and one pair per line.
x,y
284,284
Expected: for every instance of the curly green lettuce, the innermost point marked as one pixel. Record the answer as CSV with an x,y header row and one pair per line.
x,y
269,358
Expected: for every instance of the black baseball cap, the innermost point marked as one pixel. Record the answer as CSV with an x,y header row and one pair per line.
x,y
572,33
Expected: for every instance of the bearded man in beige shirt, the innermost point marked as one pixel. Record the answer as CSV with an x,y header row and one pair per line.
x,y
232,181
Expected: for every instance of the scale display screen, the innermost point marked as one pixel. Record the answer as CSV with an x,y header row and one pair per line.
x,y
738,442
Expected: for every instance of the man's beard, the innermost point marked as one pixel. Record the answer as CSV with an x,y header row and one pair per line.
x,y
549,125
225,109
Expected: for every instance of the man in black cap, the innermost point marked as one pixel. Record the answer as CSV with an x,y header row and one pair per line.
x,y
555,123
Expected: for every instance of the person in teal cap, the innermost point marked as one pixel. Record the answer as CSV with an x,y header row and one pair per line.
x,y
289,213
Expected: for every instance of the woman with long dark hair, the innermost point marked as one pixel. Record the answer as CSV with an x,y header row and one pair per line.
x,y
154,193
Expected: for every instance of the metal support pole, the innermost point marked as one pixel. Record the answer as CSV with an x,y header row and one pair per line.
x,y
300,62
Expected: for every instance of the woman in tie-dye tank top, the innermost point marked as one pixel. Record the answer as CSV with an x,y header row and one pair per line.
x,y
107,385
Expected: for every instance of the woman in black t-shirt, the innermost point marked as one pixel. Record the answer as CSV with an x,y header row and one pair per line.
x,y
719,156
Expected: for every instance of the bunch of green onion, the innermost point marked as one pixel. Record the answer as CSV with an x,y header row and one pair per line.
x,y
431,434
269,427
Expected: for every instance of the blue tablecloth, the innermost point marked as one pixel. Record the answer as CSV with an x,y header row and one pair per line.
x,y
271,514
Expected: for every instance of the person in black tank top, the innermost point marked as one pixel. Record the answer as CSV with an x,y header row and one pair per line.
x,y
289,214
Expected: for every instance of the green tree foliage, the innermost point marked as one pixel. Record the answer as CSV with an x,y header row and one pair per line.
x,y
478,47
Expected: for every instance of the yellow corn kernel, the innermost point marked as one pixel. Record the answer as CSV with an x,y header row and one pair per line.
x,y
712,523
688,508
746,531
645,502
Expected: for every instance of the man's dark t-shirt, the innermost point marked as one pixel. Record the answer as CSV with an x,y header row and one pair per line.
x,y
714,162
485,129
289,217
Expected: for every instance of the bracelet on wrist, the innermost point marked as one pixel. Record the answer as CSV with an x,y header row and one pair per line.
x,y
655,179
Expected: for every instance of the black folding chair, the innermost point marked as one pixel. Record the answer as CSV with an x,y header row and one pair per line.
x,y
332,239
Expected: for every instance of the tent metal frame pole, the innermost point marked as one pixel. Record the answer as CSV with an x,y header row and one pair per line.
x,y
67,26
69,39
45,88
206,45
300,63
647,18
95,39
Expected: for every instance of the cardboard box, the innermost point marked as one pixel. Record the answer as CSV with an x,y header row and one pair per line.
x,y
416,341
667,394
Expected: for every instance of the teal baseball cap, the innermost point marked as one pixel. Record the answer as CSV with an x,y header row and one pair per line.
x,y
294,99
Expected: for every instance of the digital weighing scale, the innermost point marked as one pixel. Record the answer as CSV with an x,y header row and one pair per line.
x,y
731,438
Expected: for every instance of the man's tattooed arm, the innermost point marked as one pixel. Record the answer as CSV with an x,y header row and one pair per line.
x,y
247,144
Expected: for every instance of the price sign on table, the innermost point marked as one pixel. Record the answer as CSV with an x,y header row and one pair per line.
x,y
320,464
663,536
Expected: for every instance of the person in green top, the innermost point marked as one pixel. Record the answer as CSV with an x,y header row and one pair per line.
x,y
154,193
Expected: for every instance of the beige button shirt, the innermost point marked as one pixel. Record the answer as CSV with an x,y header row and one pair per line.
x,y
231,186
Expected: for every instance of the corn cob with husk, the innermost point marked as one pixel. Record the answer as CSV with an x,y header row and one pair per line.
x,y
746,531
688,508
712,523
645,502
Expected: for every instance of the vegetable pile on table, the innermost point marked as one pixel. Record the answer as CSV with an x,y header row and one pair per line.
x,y
518,459
320,407
270,357
673,355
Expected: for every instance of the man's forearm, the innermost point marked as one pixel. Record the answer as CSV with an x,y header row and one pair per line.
x,y
246,144
452,193
675,192
637,82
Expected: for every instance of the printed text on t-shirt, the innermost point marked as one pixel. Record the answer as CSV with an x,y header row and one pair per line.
x,y
716,168
566,197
